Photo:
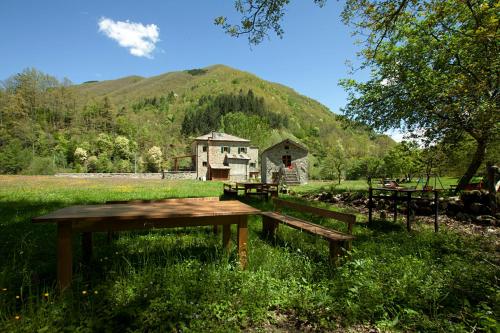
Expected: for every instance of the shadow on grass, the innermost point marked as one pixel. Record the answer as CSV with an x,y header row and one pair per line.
x,y
385,226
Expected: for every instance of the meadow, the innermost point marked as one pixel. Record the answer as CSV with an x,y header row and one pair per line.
x,y
174,280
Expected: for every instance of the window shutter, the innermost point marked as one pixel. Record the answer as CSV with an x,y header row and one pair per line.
x,y
221,149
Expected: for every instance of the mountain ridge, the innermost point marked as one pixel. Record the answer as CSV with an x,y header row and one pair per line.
x,y
168,111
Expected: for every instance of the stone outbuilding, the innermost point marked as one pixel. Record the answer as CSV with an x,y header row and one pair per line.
x,y
288,156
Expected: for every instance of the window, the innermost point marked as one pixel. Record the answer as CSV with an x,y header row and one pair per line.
x,y
204,164
242,150
205,148
252,165
286,147
225,149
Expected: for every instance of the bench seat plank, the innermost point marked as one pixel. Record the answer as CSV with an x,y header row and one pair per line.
x,y
309,227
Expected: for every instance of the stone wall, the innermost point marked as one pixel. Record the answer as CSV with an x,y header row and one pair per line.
x,y
180,175
271,161
111,175
169,175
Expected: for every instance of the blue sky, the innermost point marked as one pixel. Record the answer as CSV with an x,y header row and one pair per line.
x,y
62,38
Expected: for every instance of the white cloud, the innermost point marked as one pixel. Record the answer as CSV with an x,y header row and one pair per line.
x,y
140,39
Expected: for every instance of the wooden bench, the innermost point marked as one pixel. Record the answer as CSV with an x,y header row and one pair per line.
x,y
337,239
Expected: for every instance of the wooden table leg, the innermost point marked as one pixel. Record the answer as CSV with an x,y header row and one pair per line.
x,y
370,204
243,241
216,229
395,199
226,237
87,247
436,211
408,210
64,255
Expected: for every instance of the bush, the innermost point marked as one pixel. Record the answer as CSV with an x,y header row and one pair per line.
x,y
104,164
122,166
153,159
13,158
122,147
92,162
41,166
80,155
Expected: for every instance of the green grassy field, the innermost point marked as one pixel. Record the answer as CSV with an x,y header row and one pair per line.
x,y
181,280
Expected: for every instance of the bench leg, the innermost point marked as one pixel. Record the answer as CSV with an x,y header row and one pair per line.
x,y
216,229
335,252
226,237
64,255
269,227
243,241
86,247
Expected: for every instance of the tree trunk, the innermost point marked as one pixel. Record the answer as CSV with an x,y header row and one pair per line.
x,y
477,159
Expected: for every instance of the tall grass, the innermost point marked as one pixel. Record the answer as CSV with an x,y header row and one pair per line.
x,y
181,279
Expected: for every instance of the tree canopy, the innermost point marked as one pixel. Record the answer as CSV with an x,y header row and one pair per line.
x,y
434,65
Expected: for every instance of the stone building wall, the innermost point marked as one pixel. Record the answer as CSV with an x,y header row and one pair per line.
x,y
216,157
271,161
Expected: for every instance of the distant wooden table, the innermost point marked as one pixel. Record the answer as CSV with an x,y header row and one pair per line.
x,y
394,196
259,189
133,216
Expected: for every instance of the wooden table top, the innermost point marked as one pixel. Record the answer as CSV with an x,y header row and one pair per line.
x,y
148,211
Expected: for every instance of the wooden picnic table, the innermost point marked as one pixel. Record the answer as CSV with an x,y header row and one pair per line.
x,y
259,189
407,196
134,216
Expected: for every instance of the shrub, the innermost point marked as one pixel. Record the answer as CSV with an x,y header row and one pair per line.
x,y
122,166
92,164
80,155
122,147
41,166
104,164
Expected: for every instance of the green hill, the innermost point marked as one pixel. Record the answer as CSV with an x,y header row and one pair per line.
x,y
167,111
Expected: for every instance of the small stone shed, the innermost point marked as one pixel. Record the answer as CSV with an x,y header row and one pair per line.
x,y
289,155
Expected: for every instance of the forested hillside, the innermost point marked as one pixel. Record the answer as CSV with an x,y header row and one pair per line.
x,y
137,123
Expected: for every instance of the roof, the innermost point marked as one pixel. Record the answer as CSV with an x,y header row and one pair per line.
x,y
238,156
218,136
219,166
287,141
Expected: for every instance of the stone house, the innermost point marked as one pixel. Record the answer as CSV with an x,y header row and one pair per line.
x,y
220,156
288,156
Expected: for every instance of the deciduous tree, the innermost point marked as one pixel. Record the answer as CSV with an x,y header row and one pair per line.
x,y
434,65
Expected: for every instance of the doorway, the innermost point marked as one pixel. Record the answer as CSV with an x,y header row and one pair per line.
x,y
287,160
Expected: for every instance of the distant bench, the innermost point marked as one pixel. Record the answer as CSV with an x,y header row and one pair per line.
x,y
337,239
